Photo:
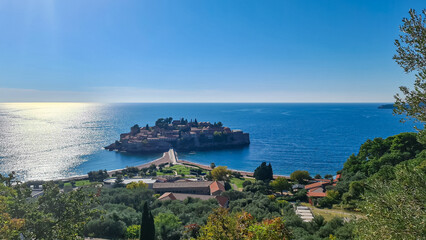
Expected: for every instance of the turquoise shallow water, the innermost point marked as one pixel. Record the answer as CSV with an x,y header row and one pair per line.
x,y
53,140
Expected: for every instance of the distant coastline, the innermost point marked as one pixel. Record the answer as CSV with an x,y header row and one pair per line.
x,y
387,106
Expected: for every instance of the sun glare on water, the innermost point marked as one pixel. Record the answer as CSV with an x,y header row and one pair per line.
x,y
42,140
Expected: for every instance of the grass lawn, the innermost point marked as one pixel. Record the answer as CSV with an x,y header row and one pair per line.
x,y
163,174
239,181
180,169
329,214
80,183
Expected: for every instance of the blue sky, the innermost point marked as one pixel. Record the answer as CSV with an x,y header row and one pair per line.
x,y
200,51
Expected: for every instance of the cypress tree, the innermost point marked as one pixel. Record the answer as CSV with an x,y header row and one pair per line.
x,y
147,225
264,172
270,175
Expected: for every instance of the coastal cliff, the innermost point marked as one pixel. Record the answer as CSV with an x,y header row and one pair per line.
x,y
180,135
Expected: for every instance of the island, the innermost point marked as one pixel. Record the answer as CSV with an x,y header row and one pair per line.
x,y
181,135
387,106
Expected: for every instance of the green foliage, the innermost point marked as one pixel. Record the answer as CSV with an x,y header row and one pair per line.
x,y
127,197
332,197
168,226
119,181
220,173
257,204
376,159
300,176
411,56
106,228
280,184
57,215
98,176
134,185
10,227
135,129
241,225
163,122
264,172
132,231
395,209
258,187
189,211
220,136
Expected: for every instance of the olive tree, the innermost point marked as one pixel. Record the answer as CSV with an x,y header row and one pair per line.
x,y
411,56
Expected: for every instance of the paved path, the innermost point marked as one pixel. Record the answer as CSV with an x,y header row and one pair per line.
x,y
173,156
168,157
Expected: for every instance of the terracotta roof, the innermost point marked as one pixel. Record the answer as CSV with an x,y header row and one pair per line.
x,y
201,184
321,180
313,185
167,196
216,186
182,196
338,176
318,189
223,201
316,194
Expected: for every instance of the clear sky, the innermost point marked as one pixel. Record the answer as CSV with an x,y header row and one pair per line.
x,y
201,51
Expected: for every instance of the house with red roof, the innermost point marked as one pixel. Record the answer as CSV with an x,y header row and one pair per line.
x,y
317,190
221,200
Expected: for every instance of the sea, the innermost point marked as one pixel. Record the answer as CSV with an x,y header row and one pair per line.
x,y
56,140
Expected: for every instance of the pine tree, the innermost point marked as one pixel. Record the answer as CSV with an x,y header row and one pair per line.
x,y
147,225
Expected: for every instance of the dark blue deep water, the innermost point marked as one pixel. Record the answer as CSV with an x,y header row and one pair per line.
x,y
52,140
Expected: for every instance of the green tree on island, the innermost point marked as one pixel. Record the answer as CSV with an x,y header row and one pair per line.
x,y
147,224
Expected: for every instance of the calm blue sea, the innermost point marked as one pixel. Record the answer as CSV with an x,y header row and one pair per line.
x,y
53,140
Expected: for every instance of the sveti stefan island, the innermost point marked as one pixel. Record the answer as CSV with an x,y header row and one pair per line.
x,y
212,120
180,135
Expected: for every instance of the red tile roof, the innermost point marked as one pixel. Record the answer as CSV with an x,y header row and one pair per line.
x,y
316,194
221,200
318,189
315,185
321,180
168,195
216,186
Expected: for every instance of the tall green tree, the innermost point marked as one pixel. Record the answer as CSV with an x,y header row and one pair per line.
x,y
411,56
264,172
147,225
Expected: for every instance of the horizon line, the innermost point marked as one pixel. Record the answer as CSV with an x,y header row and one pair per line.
x,y
200,102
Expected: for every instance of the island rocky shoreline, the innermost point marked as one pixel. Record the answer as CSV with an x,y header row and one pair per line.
x,y
181,135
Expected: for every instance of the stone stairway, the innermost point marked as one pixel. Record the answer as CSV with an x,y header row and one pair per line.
x,y
305,213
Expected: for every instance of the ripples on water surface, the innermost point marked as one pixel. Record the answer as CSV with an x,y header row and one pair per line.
x,y
53,140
